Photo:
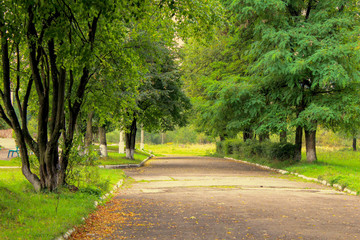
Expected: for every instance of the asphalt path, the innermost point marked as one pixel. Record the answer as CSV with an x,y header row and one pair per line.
x,y
212,198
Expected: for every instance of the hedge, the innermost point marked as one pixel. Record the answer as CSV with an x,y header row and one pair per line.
x,y
250,148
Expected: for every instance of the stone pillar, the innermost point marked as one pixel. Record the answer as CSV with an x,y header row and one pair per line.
x,y
122,142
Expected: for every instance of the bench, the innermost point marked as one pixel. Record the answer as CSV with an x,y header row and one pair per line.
x,y
14,151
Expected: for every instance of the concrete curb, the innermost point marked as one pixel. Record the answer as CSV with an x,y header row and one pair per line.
x,y
96,203
121,166
284,172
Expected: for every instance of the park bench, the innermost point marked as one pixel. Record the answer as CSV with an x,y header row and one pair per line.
x,y
13,151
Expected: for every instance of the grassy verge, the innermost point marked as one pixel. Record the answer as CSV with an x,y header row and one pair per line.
x,y
25,214
182,149
119,158
340,167
14,162
335,166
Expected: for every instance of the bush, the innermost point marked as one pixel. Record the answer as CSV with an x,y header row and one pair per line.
x,y
282,151
219,147
250,148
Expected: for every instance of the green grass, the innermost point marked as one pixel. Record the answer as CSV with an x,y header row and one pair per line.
x,y
181,149
25,214
340,167
11,163
335,166
119,158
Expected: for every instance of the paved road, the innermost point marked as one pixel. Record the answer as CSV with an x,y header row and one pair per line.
x,y
208,198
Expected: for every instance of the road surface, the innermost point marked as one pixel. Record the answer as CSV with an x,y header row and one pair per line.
x,y
212,198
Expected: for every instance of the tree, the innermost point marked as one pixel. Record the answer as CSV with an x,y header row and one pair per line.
x,y
161,103
52,31
306,53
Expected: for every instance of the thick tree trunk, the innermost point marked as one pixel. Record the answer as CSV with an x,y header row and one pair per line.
x,y
310,137
49,80
283,136
103,145
70,131
130,137
162,138
298,142
263,137
88,134
247,134
122,142
354,144
223,137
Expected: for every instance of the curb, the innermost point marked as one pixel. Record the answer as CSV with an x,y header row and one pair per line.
x,y
96,203
127,165
284,172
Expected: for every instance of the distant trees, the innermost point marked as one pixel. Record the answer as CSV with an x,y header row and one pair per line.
x,y
283,65
161,103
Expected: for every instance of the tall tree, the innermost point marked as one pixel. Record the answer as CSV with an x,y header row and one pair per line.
x,y
161,102
306,52
54,34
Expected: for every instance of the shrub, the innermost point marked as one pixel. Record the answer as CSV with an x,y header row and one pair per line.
x,y
282,151
227,147
219,147
250,148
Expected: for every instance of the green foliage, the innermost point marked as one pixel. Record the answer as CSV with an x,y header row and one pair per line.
x,y
267,149
161,101
82,170
276,65
107,56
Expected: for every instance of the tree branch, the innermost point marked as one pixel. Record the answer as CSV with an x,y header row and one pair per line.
x,y
18,80
308,10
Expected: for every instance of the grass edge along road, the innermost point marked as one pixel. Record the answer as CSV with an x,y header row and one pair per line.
x,y
335,166
25,214
28,215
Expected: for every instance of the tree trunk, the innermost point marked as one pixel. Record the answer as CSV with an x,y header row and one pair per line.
x,y
283,136
247,134
88,134
222,138
298,142
162,138
263,137
354,144
121,142
103,145
310,138
130,137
